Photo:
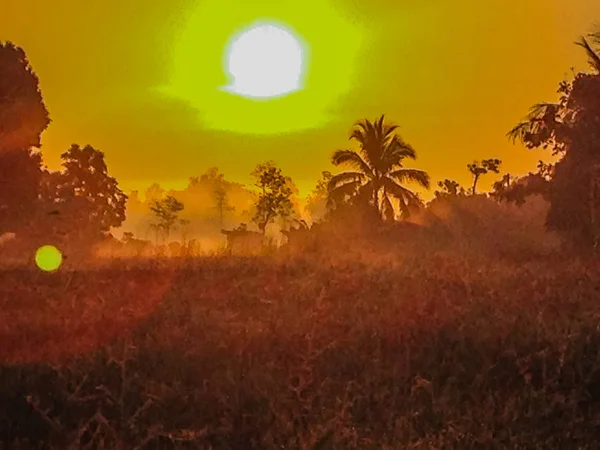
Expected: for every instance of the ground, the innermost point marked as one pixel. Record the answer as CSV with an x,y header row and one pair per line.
x,y
267,352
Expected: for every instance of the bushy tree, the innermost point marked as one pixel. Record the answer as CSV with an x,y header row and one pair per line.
x,y
571,129
87,199
517,189
23,118
23,114
274,196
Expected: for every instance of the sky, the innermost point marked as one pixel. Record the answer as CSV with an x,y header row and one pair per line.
x,y
138,79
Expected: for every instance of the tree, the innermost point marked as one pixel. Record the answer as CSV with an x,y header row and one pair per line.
x,y
274,196
222,206
378,170
87,198
478,169
571,129
23,118
316,203
23,114
154,193
20,177
167,212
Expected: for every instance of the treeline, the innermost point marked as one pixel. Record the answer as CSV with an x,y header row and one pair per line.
x,y
76,207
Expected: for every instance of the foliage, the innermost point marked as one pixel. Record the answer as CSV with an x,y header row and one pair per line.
x,y
378,170
517,189
167,212
571,129
449,188
20,177
316,203
275,191
23,118
478,169
87,200
222,205
23,115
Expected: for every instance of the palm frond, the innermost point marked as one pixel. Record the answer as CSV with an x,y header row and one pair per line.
x,y
387,209
538,114
352,159
343,178
593,56
402,149
340,192
400,192
411,175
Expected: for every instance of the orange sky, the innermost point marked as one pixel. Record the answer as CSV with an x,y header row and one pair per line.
x,y
455,74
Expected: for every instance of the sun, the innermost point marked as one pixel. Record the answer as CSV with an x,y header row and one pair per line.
x,y
265,61
264,66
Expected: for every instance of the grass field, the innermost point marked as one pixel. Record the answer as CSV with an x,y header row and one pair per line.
x,y
249,353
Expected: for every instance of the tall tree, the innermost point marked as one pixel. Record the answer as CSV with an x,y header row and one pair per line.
x,y
23,114
167,212
571,129
23,118
222,206
379,171
478,169
275,191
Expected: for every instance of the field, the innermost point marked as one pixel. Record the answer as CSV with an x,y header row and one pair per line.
x,y
248,353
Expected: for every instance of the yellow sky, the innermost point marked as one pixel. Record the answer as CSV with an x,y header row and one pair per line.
x,y
455,74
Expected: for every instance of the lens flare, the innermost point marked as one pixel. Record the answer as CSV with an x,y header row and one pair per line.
x,y
48,258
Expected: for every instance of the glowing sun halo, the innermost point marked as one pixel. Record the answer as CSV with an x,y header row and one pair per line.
x,y
264,66
265,61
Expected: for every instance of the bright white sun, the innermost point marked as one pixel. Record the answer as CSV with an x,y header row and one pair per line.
x,y
265,61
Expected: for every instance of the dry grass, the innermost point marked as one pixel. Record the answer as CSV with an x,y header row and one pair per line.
x,y
233,353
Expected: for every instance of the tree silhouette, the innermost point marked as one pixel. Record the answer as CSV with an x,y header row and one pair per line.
x,y
23,118
378,170
20,177
23,115
87,198
571,129
222,206
478,169
167,212
274,195
317,201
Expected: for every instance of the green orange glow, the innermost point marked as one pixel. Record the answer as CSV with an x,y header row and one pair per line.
x,y
313,76
48,258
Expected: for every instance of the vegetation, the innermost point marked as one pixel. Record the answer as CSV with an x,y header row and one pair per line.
x,y
469,321
571,129
275,191
167,212
378,170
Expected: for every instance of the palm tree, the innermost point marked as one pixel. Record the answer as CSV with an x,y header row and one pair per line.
x,y
378,174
